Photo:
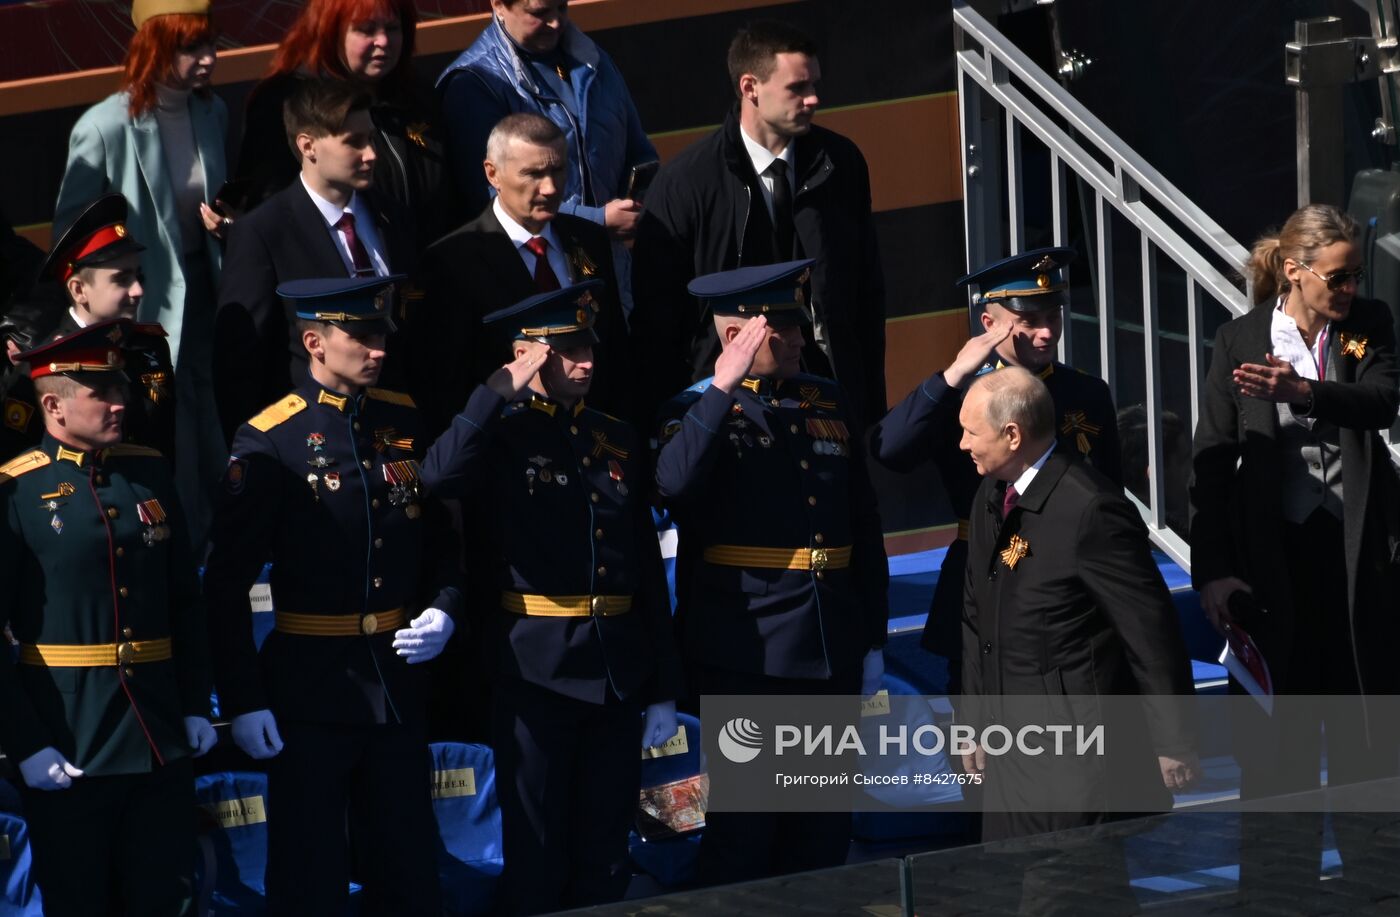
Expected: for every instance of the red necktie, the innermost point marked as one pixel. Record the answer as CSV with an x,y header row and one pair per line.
x,y
358,255
1008,502
545,279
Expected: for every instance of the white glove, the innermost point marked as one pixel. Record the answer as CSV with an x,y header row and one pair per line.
x,y
658,724
46,769
200,734
872,673
425,636
256,733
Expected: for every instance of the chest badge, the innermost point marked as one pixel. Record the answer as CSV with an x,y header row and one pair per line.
x,y
1013,553
1354,345
316,442
56,524
332,480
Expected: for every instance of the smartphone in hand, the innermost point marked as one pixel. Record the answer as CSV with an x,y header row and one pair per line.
x,y
640,180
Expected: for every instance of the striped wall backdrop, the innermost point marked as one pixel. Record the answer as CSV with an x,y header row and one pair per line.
x,y
888,83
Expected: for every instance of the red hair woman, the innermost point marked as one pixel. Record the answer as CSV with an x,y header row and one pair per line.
x,y
159,141
369,42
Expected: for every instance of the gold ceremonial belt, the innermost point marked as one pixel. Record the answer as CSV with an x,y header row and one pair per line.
x,y
91,656
339,625
963,528
733,555
566,606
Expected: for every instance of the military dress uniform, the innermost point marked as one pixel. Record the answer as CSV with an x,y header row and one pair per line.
x,y
104,602
925,426
96,237
581,635
781,575
326,486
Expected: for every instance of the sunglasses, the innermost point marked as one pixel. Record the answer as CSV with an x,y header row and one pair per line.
x,y
1337,279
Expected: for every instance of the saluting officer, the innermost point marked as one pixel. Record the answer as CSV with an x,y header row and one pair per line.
x,y
780,574
584,655
325,484
110,693
98,263
1024,299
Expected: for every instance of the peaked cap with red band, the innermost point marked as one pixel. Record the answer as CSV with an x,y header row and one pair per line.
x,y
96,236
94,349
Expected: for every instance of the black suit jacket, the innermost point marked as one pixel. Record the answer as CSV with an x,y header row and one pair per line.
x,y
1238,470
1083,613
257,358
476,270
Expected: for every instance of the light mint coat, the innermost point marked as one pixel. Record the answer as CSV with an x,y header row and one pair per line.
x,y
109,150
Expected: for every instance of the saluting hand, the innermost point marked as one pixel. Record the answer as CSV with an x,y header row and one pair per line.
x,y
738,356
976,352
513,378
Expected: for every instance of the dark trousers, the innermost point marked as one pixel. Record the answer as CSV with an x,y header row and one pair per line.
x,y
739,846
116,845
1282,753
379,777
567,776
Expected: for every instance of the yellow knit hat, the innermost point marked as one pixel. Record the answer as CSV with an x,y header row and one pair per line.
x,y
141,10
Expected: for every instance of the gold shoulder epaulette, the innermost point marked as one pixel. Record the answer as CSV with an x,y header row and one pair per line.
x,y
125,449
276,413
383,394
23,464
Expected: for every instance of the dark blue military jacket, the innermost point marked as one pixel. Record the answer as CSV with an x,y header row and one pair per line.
x,y
93,551
308,487
561,493
925,426
780,466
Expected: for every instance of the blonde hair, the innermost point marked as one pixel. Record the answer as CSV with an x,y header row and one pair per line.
x,y
1309,230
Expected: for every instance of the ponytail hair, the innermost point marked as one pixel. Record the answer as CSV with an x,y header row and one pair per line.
x,y
1309,230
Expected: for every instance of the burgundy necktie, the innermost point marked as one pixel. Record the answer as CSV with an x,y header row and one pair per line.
x,y
545,279
1008,502
358,255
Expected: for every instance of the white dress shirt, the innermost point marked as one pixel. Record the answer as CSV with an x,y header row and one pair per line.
x,y
1287,344
762,159
1024,481
520,236
365,231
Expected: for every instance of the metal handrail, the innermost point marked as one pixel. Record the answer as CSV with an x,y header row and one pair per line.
x,y
991,67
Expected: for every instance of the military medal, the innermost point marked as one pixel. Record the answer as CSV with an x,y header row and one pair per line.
x,y
152,516
1016,549
402,478
332,481
530,475
615,472
561,478
829,437
51,504
765,440
738,443
316,441
313,480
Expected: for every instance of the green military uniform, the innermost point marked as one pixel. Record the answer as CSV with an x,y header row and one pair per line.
x,y
104,602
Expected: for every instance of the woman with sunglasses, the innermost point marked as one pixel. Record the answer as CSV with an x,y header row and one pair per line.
x,y
1296,512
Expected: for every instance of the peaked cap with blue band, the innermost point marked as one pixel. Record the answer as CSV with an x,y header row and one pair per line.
x,y
354,303
777,291
551,317
1029,282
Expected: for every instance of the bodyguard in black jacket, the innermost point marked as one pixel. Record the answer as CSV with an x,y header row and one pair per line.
x,y
710,211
